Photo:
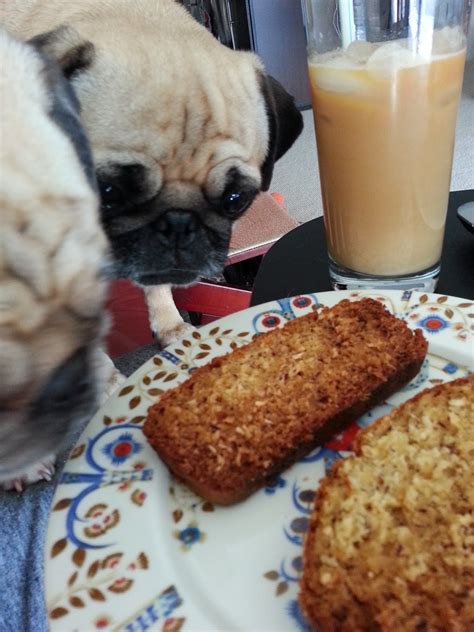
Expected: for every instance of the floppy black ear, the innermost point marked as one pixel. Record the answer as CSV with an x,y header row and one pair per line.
x,y
71,51
285,124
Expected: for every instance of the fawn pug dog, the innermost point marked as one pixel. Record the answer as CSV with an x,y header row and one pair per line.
x,y
52,252
184,132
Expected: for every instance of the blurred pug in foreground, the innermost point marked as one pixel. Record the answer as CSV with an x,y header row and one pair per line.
x,y
52,254
184,132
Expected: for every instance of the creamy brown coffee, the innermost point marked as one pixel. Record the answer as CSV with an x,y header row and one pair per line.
x,y
385,119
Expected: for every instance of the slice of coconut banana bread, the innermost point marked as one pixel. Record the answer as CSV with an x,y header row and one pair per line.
x,y
390,546
245,417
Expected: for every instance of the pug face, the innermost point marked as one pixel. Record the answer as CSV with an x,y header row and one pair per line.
x,y
184,133
52,253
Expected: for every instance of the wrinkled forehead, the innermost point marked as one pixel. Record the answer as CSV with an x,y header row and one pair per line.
x,y
185,118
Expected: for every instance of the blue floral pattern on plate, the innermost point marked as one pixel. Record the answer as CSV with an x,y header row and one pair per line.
x,y
128,547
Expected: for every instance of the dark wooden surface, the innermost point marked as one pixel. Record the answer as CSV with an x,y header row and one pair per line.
x,y
297,263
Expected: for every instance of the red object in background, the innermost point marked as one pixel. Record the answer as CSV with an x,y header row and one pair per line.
x,y
130,326
212,300
253,235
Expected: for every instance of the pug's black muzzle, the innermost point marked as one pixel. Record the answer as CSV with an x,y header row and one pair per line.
x,y
177,247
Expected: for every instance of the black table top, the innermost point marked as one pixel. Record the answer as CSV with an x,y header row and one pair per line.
x,y
297,263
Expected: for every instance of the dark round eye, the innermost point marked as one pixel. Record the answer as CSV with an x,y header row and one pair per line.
x,y
234,198
110,194
236,201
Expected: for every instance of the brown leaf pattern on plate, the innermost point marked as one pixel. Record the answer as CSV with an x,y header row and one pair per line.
x,y
177,515
142,561
133,403
138,497
281,588
170,376
58,546
78,451
111,573
78,557
120,585
126,390
154,392
76,602
93,568
201,355
101,520
62,504
72,579
96,594
111,560
173,624
58,612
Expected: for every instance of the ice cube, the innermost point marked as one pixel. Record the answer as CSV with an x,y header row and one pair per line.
x,y
448,40
348,80
360,51
391,57
316,59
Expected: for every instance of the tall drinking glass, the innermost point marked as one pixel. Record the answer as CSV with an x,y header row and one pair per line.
x,y
385,79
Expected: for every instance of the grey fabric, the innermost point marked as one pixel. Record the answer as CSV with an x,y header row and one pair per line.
x,y
130,362
23,524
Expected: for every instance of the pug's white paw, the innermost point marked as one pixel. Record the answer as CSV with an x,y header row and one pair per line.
x,y
42,470
114,380
174,334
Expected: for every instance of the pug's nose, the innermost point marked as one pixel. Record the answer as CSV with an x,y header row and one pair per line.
x,y
178,226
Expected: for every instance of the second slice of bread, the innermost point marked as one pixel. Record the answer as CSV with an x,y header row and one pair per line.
x,y
390,544
242,419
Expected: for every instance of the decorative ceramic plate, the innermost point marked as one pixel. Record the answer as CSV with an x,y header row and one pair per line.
x,y
128,548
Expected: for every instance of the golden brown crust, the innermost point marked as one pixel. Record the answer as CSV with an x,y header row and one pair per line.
x,y
389,546
246,416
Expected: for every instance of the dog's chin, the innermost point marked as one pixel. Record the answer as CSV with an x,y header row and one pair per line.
x,y
167,277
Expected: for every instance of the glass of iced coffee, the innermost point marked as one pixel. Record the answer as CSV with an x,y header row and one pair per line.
x,y
385,79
